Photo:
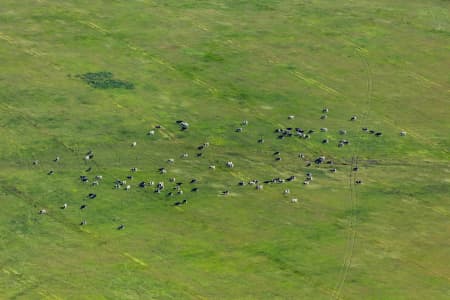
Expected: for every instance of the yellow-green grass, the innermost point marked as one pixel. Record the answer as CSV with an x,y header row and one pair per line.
x,y
214,64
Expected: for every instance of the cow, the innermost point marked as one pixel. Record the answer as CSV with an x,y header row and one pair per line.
x,y
180,203
291,178
319,160
160,185
183,126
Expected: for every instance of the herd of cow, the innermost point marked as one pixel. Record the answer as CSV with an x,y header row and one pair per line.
x,y
160,187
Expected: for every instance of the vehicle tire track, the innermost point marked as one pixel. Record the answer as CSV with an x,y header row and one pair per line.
x,y
352,235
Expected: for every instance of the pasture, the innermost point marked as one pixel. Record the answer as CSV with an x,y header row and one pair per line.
x,y
79,76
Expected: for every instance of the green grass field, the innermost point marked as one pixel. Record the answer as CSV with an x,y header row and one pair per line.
x,y
214,64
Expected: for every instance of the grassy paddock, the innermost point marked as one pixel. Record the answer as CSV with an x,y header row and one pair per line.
x,y
214,64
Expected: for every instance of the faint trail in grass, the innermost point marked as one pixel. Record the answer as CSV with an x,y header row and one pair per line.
x,y
352,233
12,190
427,81
416,263
153,57
135,259
93,236
132,46
27,283
94,26
427,141
315,83
20,114
20,44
